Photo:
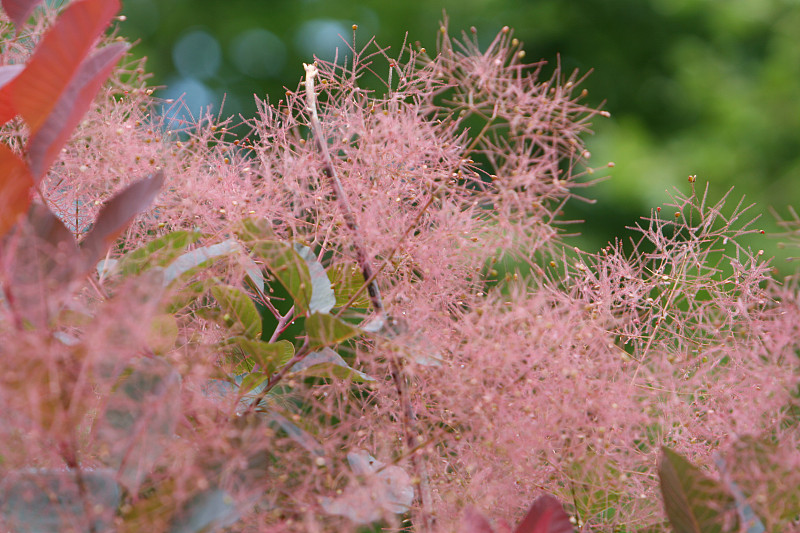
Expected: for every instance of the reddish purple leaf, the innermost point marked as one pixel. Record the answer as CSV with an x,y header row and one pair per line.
x,y
116,214
475,522
7,74
38,88
45,144
546,515
15,188
19,10
58,259
45,261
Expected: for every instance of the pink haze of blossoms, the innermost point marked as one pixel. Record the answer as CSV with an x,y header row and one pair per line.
x,y
563,374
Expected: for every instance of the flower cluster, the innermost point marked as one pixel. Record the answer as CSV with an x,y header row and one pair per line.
x,y
357,306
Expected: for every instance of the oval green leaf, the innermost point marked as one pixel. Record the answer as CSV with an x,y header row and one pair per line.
x,y
156,253
326,330
239,312
246,353
694,502
328,364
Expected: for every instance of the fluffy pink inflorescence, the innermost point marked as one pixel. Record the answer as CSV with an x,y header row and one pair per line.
x,y
491,387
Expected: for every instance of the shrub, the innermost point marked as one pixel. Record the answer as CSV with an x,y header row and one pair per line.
x,y
362,310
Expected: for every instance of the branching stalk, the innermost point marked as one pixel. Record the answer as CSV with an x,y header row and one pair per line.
x,y
70,459
388,259
338,191
425,521
283,323
275,378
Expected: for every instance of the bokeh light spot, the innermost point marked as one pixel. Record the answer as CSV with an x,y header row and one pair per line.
x,y
321,37
197,54
258,53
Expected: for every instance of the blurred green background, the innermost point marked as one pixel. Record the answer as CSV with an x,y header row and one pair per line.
x,y
705,87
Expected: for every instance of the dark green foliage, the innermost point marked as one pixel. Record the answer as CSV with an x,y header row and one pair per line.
x,y
694,502
44,500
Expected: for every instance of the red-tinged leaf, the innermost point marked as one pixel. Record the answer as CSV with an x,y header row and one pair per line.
x,y
475,522
56,250
546,515
7,74
51,230
19,10
694,502
38,88
15,188
45,145
116,214
45,261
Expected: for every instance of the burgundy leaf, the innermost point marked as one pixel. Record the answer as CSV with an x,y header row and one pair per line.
x,y
546,515
51,230
45,144
475,522
15,188
37,90
19,10
116,214
59,261
45,261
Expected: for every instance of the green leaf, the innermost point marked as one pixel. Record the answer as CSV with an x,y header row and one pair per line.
x,y
762,454
251,383
295,267
210,510
380,488
163,333
46,500
239,312
596,490
268,355
748,517
300,436
326,364
289,268
188,294
253,230
253,276
322,297
140,415
151,510
157,253
198,258
694,502
346,280
73,318
326,330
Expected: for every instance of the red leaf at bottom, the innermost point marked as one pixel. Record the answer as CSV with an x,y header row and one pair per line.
x,y
546,515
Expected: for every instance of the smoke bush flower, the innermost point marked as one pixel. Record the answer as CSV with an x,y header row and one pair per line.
x,y
485,388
